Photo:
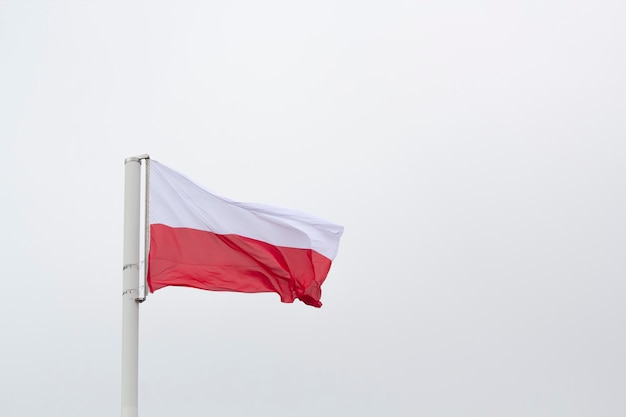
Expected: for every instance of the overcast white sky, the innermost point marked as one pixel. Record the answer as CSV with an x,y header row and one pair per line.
x,y
474,152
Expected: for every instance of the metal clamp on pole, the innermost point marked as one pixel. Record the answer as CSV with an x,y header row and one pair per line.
x,y
130,266
136,158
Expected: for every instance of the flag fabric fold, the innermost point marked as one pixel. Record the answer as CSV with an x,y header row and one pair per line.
x,y
202,240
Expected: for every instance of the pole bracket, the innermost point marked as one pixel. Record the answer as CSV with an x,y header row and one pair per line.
x,y
136,158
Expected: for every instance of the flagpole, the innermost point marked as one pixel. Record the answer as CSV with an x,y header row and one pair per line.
x,y
130,287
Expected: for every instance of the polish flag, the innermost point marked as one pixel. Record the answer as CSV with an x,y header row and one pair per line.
x,y
202,240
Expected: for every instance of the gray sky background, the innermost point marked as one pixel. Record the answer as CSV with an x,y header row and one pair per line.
x,y
474,152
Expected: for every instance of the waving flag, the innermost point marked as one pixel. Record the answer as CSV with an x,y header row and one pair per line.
x,y
202,240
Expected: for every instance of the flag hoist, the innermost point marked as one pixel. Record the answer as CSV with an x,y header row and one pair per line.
x,y
202,240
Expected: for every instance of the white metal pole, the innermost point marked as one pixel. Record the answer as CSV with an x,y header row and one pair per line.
x,y
130,292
